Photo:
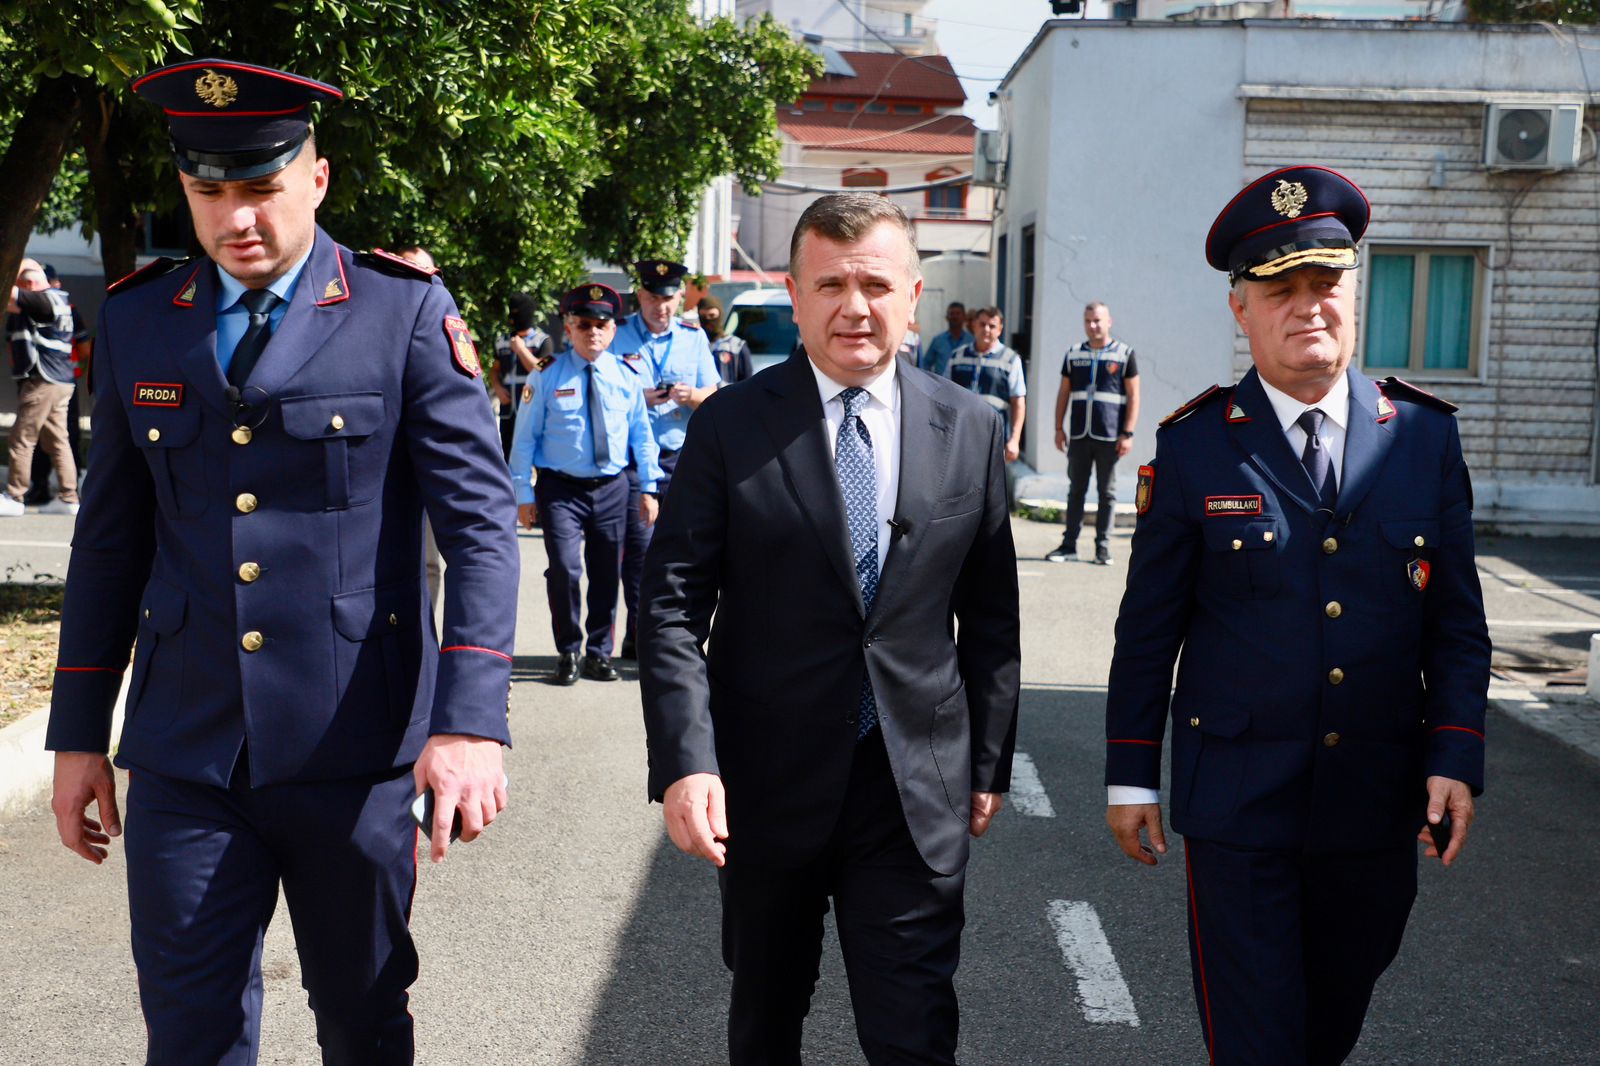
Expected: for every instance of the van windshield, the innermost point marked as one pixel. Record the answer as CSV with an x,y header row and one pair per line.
x,y
769,329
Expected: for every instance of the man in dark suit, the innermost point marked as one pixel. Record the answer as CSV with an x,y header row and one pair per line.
x,y
1305,540
841,515
272,420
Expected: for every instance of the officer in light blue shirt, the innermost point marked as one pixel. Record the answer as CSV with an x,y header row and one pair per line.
x,y
579,419
675,363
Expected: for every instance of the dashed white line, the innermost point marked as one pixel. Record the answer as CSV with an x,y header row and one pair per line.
x,y
1582,624
1027,791
1102,993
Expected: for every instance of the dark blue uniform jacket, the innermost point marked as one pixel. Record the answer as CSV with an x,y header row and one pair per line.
x,y
308,533
1327,664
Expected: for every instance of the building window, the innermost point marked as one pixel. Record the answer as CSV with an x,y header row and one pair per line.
x,y
864,178
1125,9
844,105
1001,262
908,109
946,201
877,109
814,105
1022,339
1423,308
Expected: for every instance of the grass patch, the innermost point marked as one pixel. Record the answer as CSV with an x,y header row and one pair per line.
x,y
30,625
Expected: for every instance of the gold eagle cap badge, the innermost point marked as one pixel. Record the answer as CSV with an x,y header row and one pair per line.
x,y
1289,198
597,293
661,269
218,90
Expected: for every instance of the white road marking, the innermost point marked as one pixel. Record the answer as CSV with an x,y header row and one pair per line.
x,y
34,544
1102,992
1571,579
1592,624
1027,791
1552,591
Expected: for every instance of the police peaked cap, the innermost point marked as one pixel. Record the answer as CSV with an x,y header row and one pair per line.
x,y
592,300
661,276
1287,220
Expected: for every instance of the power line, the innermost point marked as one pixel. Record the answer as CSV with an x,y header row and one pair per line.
x,y
891,46
791,188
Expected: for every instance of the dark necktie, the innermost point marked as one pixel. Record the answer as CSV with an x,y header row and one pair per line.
x,y
259,302
1316,460
597,420
858,481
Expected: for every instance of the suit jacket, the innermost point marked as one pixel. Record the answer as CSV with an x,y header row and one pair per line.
x,y
1330,662
753,529
307,531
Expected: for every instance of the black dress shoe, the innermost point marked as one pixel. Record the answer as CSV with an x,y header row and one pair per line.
x,y
566,670
630,648
599,668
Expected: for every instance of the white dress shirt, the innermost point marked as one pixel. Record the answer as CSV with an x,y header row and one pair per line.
x,y
881,416
1336,405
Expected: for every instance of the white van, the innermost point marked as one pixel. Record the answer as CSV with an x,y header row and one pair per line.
x,y
765,319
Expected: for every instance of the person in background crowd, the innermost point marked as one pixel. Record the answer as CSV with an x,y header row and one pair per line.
x,y
731,351
39,325
518,354
936,358
39,492
991,370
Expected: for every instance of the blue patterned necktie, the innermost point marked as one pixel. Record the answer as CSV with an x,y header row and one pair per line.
x,y
858,481
1315,458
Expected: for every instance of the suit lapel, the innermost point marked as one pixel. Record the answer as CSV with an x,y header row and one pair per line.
x,y
1262,439
925,434
194,333
1366,442
800,435
309,322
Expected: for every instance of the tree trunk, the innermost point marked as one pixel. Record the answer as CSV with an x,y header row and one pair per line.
x,y
105,150
38,144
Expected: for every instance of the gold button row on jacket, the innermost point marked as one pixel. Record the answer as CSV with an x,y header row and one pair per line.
x,y
1419,541
242,434
1335,676
252,641
1194,722
245,501
249,572
1333,610
1331,740
1237,544
1330,546
154,435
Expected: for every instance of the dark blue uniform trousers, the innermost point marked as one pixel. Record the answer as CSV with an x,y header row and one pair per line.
x,y
1285,947
639,538
204,866
571,513
899,931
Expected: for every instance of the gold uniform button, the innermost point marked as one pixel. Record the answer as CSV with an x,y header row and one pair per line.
x,y
242,434
1237,544
1419,542
245,501
154,435
249,572
1266,538
1194,723
252,641
1333,610
147,612
1335,676
1330,546
337,421
1331,740
394,619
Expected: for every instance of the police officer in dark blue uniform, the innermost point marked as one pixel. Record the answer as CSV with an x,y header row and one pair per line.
x,y
580,417
675,363
1305,542
273,419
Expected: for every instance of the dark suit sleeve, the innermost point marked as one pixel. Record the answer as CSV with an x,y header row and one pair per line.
x,y
988,641
1455,640
450,432
113,545
1151,625
678,593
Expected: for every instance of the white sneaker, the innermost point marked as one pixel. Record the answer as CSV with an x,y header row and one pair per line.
x,y
10,508
58,506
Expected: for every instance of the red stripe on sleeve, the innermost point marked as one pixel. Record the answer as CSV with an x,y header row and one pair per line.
x,y
470,647
1152,743
88,670
1459,729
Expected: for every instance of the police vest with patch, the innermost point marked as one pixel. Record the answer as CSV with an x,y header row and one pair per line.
x,y
988,374
1098,390
44,346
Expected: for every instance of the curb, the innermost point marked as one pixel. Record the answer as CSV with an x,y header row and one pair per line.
x,y
1571,719
26,768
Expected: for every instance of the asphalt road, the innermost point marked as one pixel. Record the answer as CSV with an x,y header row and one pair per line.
x,y
573,933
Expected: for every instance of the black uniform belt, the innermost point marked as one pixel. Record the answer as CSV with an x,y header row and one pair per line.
x,y
582,482
667,453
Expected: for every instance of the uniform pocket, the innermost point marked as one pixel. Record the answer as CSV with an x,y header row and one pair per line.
x,y
168,437
161,617
1406,557
342,426
375,625
1244,556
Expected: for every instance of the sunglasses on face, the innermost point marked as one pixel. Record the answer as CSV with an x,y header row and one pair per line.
x,y
590,324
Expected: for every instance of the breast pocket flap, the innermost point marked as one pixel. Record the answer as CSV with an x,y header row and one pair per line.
x,y
164,608
1254,534
164,427
1410,534
368,613
339,416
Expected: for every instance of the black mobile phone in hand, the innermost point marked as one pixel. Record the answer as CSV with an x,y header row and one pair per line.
x,y
422,814
1441,833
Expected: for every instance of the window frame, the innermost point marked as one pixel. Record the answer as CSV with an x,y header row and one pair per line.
x,y
850,178
959,212
1422,252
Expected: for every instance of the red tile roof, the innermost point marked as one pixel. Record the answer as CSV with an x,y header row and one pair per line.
x,y
942,134
887,76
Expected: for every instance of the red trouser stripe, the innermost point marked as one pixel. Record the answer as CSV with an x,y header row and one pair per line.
x,y
1199,955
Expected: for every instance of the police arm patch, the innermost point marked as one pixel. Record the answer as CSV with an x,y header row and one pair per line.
x,y
1145,494
464,351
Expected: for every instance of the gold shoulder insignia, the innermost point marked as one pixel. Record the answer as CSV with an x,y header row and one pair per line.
x,y
543,363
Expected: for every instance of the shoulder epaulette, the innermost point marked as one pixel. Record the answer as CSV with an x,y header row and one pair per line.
x,y
1396,389
1195,404
149,272
542,363
389,263
689,325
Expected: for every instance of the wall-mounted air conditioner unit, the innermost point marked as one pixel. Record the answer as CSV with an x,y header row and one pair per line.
x,y
988,158
1532,136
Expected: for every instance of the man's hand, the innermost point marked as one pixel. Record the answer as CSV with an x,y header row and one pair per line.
x,y
696,810
1446,794
80,778
657,397
687,395
1127,820
1061,440
528,515
1013,449
1124,446
502,394
649,507
985,805
465,773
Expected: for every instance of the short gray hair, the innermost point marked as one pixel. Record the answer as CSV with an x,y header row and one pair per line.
x,y
850,216
1096,305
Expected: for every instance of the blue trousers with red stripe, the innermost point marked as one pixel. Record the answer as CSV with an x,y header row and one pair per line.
x,y
1285,947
